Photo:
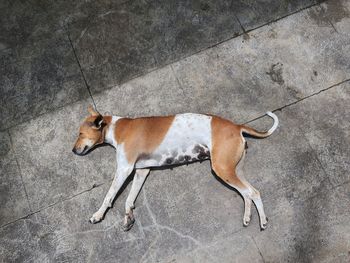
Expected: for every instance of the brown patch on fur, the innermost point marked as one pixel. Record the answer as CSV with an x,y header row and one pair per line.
x,y
142,135
227,150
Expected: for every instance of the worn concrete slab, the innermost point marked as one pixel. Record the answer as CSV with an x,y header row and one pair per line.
x,y
114,40
300,61
253,14
37,78
114,46
213,86
22,23
17,244
13,203
137,37
161,31
313,230
191,26
239,248
157,93
325,123
63,233
266,69
336,12
50,170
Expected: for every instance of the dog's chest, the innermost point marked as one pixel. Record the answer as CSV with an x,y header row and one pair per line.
x,y
188,140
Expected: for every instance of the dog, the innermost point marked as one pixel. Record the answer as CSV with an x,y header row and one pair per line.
x,y
148,142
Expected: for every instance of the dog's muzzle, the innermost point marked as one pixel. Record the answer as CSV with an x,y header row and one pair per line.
x,y
80,153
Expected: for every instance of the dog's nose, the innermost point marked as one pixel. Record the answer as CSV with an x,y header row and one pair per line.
x,y
74,151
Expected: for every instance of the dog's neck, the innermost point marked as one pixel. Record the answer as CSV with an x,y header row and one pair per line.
x,y
109,130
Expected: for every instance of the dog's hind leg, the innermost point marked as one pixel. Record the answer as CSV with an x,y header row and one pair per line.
x,y
139,179
247,199
225,159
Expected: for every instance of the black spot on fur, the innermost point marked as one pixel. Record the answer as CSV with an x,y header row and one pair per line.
x,y
169,160
198,149
187,158
202,152
202,155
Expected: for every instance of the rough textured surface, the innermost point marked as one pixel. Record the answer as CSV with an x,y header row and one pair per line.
x,y
13,203
38,77
138,36
252,14
114,41
297,66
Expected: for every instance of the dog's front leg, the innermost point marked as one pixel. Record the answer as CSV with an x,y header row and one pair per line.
x,y
139,179
123,171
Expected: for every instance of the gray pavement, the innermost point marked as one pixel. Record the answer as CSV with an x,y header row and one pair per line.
x,y
165,57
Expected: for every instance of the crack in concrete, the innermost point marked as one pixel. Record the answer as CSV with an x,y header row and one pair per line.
x,y
318,3
261,255
20,171
178,81
147,252
159,226
80,68
297,101
51,205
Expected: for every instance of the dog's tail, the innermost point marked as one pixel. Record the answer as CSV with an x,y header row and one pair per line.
x,y
258,134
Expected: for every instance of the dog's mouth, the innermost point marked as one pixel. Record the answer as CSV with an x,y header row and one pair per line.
x,y
81,153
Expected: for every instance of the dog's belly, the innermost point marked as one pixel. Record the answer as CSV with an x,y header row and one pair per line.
x,y
188,140
193,153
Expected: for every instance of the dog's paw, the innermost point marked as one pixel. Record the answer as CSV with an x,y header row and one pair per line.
x,y
246,221
97,217
263,224
129,221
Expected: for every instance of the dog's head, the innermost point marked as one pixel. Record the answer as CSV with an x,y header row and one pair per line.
x,y
90,133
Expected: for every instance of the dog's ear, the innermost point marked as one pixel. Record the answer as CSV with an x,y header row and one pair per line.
x,y
92,111
98,121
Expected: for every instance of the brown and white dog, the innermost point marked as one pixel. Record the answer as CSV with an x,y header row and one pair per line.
x,y
143,143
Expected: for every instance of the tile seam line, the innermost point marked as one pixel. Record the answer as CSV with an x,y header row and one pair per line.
x,y
287,15
41,114
20,171
181,86
53,204
79,65
257,247
244,32
300,100
327,18
157,68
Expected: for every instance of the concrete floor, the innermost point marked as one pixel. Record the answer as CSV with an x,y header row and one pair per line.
x,y
236,59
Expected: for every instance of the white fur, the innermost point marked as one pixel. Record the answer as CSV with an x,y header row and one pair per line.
x,y
275,123
187,131
110,132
